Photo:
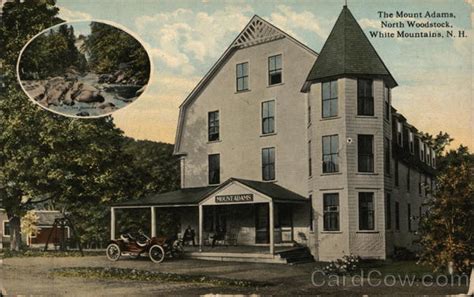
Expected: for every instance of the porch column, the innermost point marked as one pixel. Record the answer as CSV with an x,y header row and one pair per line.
x,y
272,227
112,223
153,221
200,227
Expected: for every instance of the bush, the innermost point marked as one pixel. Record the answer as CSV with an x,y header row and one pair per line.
x,y
348,264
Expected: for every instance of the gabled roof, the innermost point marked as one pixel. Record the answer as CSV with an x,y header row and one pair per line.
x,y
47,217
272,190
193,196
257,31
348,52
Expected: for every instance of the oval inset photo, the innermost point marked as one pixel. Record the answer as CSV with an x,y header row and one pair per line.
x,y
84,69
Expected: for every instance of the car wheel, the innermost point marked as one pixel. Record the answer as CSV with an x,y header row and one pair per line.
x,y
157,253
113,252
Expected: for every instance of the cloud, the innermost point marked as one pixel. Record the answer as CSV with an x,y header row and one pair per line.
x,y
291,21
183,35
72,15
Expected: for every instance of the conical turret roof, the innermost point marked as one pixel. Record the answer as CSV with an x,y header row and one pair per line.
x,y
348,52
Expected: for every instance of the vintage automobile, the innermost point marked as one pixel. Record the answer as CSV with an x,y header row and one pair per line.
x,y
157,248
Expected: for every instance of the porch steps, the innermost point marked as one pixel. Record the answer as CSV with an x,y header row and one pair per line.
x,y
293,255
235,257
297,255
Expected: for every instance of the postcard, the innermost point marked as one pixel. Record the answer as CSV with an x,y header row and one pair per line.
x,y
237,147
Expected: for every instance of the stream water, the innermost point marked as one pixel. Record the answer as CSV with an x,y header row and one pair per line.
x,y
120,95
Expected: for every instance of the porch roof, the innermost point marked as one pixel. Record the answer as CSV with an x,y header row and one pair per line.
x,y
193,196
276,192
180,197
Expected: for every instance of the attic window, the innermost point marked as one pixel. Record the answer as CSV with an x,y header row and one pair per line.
x,y
274,70
242,76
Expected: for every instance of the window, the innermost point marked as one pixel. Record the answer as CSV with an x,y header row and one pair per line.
x,y
213,125
397,215
408,179
411,142
310,162
329,96
331,212
419,184
386,101
330,153
426,185
242,76
422,151
409,216
365,153
268,163
268,117
214,169
428,155
399,133
274,70
397,182
311,215
309,111
366,211
365,99
388,211
388,157
6,228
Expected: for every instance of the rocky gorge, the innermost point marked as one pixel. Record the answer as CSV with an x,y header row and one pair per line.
x,y
84,94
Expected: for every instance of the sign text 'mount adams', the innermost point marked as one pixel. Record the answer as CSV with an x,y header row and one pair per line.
x,y
234,198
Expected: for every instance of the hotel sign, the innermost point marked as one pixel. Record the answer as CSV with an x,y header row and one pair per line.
x,y
234,198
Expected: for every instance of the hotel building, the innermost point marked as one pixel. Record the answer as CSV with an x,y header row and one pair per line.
x,y
282,146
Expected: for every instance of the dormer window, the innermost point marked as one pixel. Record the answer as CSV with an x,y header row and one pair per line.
x,y
400,133
274,70
422,151
365,97
411,142
428,155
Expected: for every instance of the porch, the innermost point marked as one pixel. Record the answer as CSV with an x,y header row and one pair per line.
x,y
240,220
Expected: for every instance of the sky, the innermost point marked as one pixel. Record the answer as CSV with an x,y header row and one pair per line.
x,y
185,38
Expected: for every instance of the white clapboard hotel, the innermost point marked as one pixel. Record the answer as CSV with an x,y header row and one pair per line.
x,y
282,147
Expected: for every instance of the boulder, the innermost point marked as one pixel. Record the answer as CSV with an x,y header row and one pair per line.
x,y
82,114
55,89
107,107
71,73
87,94
106,78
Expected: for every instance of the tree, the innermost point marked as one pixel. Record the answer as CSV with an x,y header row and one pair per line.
x,y
29,224
77,164
154,163
438,143
447,229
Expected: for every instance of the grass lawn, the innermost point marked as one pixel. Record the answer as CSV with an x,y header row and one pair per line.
x,y
397,267
41,253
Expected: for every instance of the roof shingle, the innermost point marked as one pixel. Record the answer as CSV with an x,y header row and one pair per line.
x,y
348,52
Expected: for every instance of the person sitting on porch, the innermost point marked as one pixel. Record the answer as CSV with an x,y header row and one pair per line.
x,y
189,235
219,235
